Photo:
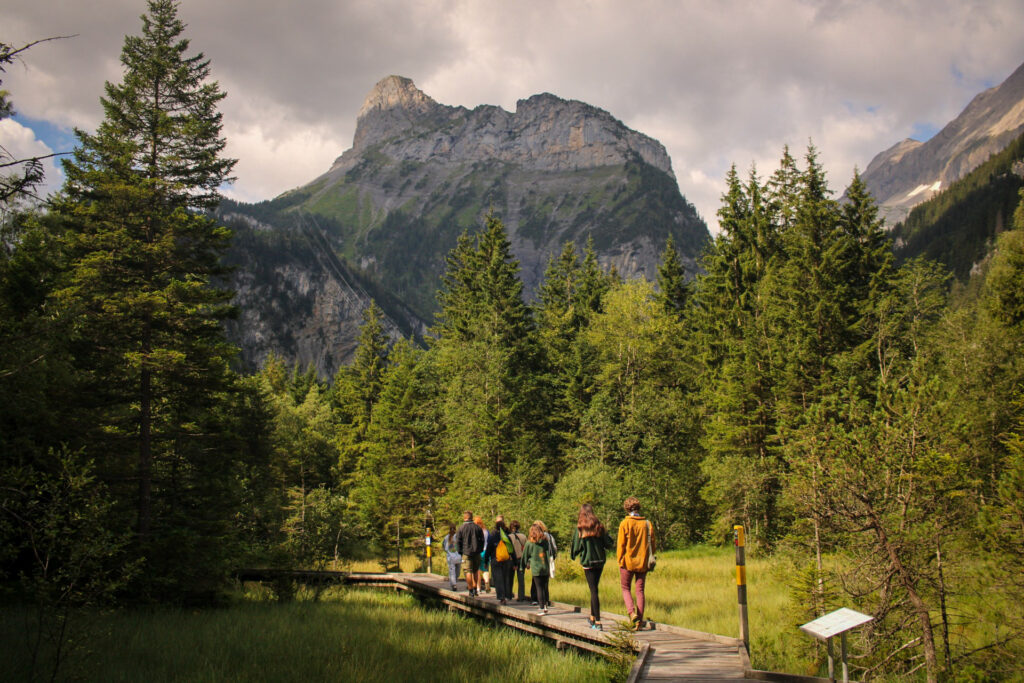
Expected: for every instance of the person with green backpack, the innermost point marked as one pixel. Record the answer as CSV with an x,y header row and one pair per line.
x,y
502,556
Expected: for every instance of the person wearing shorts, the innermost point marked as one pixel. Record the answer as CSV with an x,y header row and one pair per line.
x,y
470,542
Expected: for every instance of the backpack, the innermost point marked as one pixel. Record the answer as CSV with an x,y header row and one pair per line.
x,y
652,559
501,553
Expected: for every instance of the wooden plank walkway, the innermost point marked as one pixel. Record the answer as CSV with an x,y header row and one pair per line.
x,y
666,653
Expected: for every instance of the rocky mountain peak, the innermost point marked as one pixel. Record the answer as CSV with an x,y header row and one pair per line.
x,y
396,92
394,105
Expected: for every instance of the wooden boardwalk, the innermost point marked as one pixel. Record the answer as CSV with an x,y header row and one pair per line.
x,y
666,653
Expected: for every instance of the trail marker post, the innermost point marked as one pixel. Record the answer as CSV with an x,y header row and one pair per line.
x,y
836,624
739,539
428,526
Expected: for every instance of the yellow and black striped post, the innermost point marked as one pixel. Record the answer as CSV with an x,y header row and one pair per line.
x,y
741,583
428,526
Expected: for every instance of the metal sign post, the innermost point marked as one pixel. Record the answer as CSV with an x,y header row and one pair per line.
x,y
741,583
836,624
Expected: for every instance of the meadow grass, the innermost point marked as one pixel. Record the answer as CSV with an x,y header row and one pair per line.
x,y
694,588
349,635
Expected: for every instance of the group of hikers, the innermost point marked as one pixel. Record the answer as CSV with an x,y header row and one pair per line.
x,y
497,557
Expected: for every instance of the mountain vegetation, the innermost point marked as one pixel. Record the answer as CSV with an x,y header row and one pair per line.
x,y
958,227
843,407
418,175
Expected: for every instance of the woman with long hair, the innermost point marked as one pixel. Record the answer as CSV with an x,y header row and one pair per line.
x,y
483,575
535,558
451,549
552,554
590,540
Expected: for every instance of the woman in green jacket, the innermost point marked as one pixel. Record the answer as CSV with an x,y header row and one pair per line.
x,y
590,540
535,558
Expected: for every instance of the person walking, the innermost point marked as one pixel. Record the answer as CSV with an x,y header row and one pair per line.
x,y
501,558
470,543
590,540
635,551
519,542
483,576
536,558
451,548
552,553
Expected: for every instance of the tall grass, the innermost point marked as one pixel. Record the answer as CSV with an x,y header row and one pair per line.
x,y
350,635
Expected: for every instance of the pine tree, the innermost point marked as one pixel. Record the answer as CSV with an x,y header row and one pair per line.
x,y
672,286
143,258
484,341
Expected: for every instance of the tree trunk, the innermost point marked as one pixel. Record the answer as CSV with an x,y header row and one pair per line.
x,y
145,452
920,608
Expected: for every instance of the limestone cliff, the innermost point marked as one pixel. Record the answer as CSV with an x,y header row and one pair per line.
x,y
420,173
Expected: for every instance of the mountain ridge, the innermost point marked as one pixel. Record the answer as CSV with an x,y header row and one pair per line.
x,y
912,171
420,173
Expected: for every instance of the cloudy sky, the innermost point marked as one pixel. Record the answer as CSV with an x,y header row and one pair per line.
x,y
717,82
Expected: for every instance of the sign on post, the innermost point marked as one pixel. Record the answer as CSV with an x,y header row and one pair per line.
x,y
836,624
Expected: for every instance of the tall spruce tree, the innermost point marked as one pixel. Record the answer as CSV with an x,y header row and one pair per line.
x,y
673,289
487,354
152,358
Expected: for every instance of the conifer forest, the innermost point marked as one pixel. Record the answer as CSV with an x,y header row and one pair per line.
x,y
859,414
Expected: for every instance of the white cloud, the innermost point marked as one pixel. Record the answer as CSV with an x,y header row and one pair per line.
x,y
717,83
20,143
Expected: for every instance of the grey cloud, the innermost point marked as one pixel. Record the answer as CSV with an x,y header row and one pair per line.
x,y
722,82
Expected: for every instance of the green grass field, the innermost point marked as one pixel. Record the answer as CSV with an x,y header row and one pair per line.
x,y
349,635
375,635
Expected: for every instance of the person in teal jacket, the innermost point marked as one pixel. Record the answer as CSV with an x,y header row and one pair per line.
x,y
590,540
535,558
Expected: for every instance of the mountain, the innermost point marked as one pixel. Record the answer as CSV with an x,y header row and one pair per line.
x,y
958,226
419,174
911,171
296,298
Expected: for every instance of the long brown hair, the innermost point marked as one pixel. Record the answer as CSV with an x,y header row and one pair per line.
x,y
536,533
588,523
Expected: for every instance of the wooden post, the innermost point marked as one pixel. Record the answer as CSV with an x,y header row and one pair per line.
x,y
842,647
741,583
428,525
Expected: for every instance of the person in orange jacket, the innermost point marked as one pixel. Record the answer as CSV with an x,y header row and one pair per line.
x,y
634,550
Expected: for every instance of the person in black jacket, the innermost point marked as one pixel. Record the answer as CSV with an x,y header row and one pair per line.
x,y
502,556
470,541
590,541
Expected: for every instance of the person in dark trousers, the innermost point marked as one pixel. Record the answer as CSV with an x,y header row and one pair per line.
x,y
552,554
519,542
590,541
470,541
502,558
535,557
